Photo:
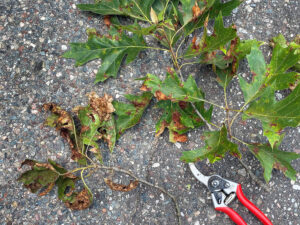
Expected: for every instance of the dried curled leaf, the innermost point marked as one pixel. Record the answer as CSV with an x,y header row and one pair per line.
x,y
121,187
101,105
81,201
63,122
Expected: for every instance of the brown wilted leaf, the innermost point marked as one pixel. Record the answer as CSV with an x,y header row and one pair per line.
x,y
102,106
107,21
64,123
82,201
74,150
121,187
64,119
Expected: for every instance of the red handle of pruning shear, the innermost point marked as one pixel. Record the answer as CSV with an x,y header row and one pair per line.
x,y
235,217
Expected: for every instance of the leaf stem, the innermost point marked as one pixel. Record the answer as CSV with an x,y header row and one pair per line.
x,y
83,181
226,107
239,140
177,50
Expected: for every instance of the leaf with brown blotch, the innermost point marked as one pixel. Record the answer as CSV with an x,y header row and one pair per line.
x,y
83,200
42,175
130,114
121,187
179,118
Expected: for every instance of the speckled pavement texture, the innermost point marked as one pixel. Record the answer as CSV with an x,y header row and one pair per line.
x,y
33,36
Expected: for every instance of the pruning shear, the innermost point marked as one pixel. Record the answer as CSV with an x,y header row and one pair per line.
x,y
223,192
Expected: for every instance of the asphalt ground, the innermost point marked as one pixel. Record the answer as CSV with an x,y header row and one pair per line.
x,y
33,36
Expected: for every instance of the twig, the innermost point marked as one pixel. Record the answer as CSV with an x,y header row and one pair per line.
x,y
116,169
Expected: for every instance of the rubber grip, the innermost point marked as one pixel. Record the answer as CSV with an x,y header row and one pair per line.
x,y
249,205
234,216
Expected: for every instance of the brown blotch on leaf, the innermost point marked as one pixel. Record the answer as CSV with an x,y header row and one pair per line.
x,y
82,201
195,46
28,162
121,187
279,166
107,21
183,104
196,11
144,88
176,121
180,137
102,106
160,96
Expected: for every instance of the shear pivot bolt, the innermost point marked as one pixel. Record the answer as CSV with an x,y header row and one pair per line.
x,y
215,183
227,185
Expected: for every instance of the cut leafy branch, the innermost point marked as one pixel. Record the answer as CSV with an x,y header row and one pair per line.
x,y
182,103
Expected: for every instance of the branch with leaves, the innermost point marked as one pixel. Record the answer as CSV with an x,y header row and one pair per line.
x,y
181,100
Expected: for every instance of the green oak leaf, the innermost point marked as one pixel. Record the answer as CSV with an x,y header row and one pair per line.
x,y
211,8
216,146
235,52
274,158
220,37
136,9
283,58
260,93
111,49
173,88
275,115
130,114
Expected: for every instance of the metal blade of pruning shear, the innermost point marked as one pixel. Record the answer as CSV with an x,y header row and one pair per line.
x,y
199,176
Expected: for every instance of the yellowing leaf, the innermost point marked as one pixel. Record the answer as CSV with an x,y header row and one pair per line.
x,y
153,16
